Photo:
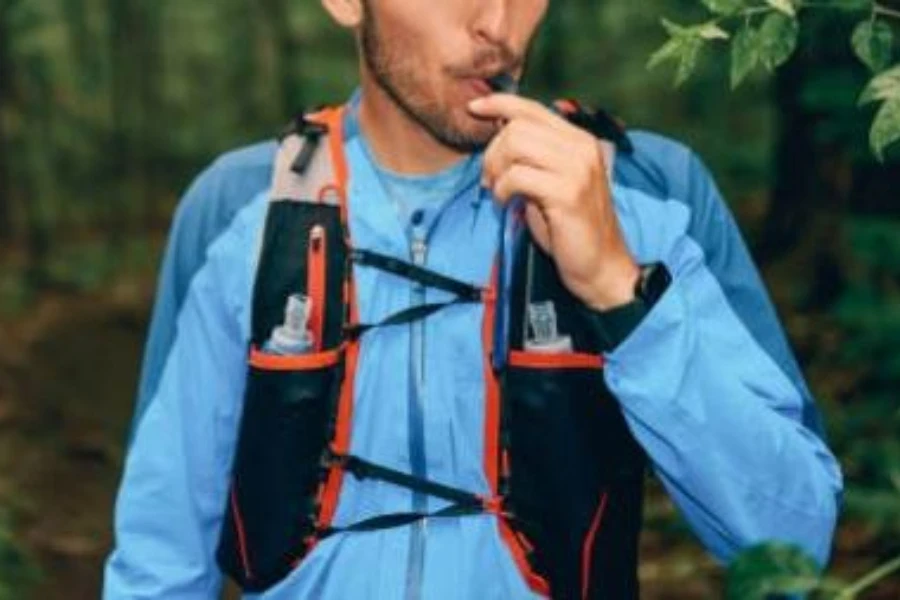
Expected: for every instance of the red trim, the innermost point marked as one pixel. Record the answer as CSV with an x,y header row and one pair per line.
x,y
492,389
328,189
493,461
293,362
555,360
537,583
341,442
315,283
333,119
242,540
567,106
331,490
588,548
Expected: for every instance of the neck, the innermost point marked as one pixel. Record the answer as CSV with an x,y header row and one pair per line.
x,y
399,143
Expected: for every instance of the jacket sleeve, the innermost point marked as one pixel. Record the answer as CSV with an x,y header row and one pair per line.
x,y
720,419
172,496
205,211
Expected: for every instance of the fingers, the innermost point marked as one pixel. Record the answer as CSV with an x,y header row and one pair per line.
x,y
535,184
509,107
524,142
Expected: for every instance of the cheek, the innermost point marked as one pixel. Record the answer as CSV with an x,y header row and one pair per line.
x,y
530,19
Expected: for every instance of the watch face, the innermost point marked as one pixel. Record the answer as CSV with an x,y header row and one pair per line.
x,y
655,279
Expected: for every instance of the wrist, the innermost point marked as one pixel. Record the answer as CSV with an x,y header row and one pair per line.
x,y
614,288
612,325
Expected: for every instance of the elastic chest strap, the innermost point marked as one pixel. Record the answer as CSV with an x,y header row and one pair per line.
x,y
465,292
463,502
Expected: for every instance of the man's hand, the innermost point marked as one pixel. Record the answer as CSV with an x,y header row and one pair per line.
x,y
559,170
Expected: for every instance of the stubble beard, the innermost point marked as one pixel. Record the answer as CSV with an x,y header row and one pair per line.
x,y
394,75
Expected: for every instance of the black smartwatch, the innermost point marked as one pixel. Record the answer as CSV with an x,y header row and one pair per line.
x,y
652,283
614,325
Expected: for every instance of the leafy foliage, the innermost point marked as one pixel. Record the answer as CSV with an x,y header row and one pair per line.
x,y
775,570
770,569
873,40
774,41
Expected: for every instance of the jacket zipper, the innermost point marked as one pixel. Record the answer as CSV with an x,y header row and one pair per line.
x,y
416,561
416,423
315,284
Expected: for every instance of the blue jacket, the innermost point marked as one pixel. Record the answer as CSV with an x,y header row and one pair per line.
x,y
707,383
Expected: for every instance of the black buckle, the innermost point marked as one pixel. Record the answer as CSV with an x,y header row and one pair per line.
x,y
600,123
312,134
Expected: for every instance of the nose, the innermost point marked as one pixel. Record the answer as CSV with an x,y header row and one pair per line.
x,y
492,22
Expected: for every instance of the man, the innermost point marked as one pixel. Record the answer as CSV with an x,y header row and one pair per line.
x,y
701,371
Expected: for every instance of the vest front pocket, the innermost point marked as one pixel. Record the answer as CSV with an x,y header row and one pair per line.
x,y
568,445
277,469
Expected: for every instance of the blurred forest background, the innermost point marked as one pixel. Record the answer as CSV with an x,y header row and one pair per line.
x,y
109,107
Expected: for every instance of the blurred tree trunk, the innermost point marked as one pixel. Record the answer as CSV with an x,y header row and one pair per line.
x,y
5,183
798,187
244,67
824,171
125,169
287,48
811,193
151,121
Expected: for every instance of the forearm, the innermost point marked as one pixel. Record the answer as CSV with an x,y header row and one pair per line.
x,y
721,422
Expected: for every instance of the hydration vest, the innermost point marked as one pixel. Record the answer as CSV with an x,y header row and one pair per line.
x,y
565,475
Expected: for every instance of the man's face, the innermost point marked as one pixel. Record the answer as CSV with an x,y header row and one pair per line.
x,y
432,56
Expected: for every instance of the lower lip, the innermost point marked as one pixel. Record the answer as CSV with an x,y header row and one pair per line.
x,y
480,86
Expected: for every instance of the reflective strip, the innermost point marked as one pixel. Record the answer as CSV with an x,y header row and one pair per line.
x,y
293,362
587,549
555,360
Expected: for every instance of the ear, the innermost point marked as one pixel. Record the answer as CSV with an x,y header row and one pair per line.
x,y
347,13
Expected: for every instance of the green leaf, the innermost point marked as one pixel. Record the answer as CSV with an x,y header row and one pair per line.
x,y
670,50
885,128
884,86
684,46
771,568
744,55
724,7
688,60
783,6
872,42
777,39
673,29
710,31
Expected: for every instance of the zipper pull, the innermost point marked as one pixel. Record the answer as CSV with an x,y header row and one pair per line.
x,y
419,249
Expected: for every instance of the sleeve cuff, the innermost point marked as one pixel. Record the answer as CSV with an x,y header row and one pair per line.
x,y
611,327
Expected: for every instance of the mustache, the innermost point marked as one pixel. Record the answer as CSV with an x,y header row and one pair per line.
x,y
489,63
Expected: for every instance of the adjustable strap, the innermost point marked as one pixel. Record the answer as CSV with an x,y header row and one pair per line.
x,y
407,315
464,503
400,519
416,273
363,469
465,292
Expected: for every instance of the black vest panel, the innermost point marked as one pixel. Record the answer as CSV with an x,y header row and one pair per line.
x,y
576,473
288,414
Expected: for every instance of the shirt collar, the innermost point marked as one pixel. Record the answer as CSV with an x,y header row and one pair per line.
x,y
351,130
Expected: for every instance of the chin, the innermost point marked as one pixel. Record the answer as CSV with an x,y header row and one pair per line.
x,y
479,131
